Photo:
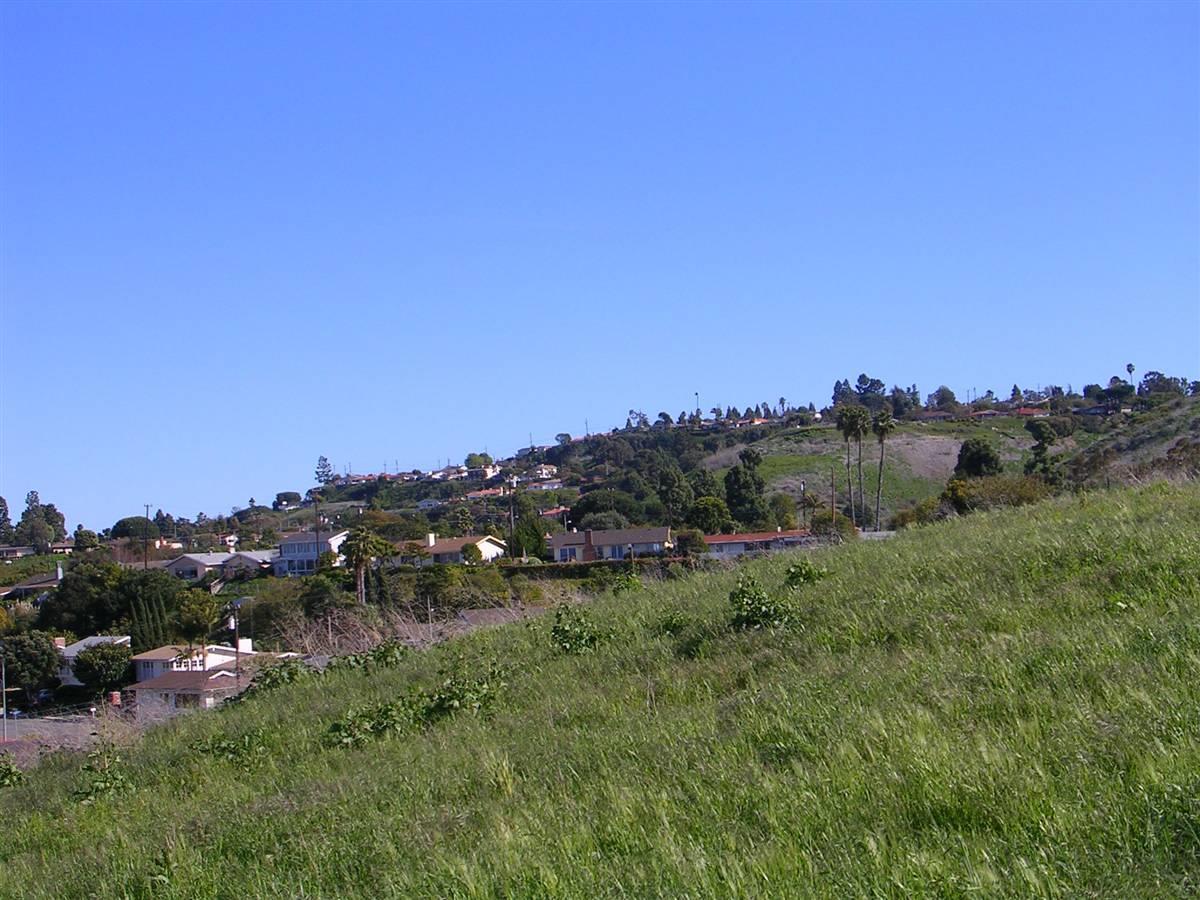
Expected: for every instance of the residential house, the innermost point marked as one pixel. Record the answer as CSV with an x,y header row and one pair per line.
x,y
176,692
617,543
68,653
65,548
298,553
731,545
543,471
553,484
35,586
450,550
194,566
483,473
554,512
178,658
11,552
488,493
449,473
252,561
429,503
1032,412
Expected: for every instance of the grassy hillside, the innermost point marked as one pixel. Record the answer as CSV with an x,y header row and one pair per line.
x,y
1158,441
919,458
1006,705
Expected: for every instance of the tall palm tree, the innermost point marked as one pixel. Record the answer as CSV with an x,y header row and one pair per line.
x,y
849,423
883,425
862,427
360,547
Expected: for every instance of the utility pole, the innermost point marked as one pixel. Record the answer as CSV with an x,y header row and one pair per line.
x,y
317,544
833,493
146,541
4,689
697,402
803,505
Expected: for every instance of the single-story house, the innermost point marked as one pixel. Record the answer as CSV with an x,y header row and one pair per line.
x,y
194,566
450,550
544,470
1032,412
553,484
615,543
731,545
299,553
175,692
429,503
487,493
8,551
35,586
68,652
177,658
248,561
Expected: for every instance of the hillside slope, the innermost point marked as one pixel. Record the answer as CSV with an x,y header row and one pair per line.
x,y
1164,441
1007,704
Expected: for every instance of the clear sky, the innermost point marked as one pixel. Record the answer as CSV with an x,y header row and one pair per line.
x,y
234,237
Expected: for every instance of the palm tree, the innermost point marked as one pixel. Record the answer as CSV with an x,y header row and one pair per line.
x,y
883,425
360,547
1129,369
862,427
849,423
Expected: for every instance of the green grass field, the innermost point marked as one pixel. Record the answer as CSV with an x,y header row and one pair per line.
x,y
1004,705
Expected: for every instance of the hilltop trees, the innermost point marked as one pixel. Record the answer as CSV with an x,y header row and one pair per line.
x,y
324,471
135,527
40,524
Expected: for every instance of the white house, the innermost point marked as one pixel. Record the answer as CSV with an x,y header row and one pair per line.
x,y
554,484
249,561
617,543
544,470
68,652
177,658
298,553
450,550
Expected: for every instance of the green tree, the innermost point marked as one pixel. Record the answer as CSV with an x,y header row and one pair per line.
x,y
286,499
710,515
102,667
1040,464
87,601
360,548
31,661
603,521
135,527
943,398
198,612
882,425
783,511
6,526
528,539
472,555
85,539
978,458
477,460
744,494
324,471
674,491
462,520
703,483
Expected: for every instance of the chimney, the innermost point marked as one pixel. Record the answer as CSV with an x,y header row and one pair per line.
x,y
58,570
60,643
430,539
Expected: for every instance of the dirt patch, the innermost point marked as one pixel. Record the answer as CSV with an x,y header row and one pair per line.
x,y
928,457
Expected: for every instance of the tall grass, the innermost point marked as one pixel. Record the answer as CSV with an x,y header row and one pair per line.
x,y
1006,705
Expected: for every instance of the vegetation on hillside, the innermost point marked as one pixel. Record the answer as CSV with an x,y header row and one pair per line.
x,y
1005,704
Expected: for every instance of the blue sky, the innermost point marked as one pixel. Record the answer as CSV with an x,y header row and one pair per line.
x,y
234,237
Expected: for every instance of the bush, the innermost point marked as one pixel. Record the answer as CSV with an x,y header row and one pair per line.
x,y
524,591
245,752
995,492
803,572
625,582
9,774
978,457
928,510
823,523
573,632
753,607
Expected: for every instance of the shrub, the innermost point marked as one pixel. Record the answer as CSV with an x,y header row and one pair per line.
x,y
9,773
573,632
626,581
753,607
803,572
994,492
978,457
524,591
245,751
823,523
928,510
104,775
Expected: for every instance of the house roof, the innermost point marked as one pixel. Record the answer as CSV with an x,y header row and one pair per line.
x,y
219,679
204,559
455,545
306,536
94,641
174,651
48,579
754,537
613,536
262,556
